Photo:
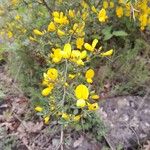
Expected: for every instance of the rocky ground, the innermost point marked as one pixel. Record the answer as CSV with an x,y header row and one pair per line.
x,y
126,118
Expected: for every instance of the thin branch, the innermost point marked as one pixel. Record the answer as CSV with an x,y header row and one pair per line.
x,y
46,5
63,100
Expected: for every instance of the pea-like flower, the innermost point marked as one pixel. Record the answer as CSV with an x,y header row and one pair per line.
x,y
108,53
38,109
37,32
102,16
91,47
93,106
46,119
89,75
51,27
82,92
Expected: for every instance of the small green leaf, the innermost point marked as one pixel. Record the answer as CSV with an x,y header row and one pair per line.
x,y
107,30
119,33
108,36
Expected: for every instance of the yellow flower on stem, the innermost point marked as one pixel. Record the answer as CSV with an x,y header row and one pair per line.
x,y
60,18
79,43
77,118
65,116
47,91
66,84
83,54
60,32
77,56
51,27
89,75
80,103
102,16
72,76
56,55
38,109
82,92
71,13
111,4
119,12
46,119
52,74
93,106
93,9
10,34
37,32
108,53
55,14
95,97
17,17
32,38
91,47
80,62
105,4
66,51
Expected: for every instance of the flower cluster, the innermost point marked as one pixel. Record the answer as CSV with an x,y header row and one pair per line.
x,y
138,11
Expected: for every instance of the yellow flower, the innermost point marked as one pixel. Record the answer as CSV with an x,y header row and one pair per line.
x,y
17,17
38,109
95,97
71,76
71,13
10,34
91,47
119,12
82,92
67,51
89,75
102,16
46,119
84,4
65,116
94,9
93,106
78,29
60,18
105,4
111,4
51,27
79,43
32,39
56,55
47,91
37,32
108,53
84,15
80,62
55,14
60,32
66,84
52,74
75,55
77,118
80,103
83,54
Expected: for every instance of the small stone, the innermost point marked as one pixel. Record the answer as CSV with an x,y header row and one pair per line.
x,y
116,111
147,124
